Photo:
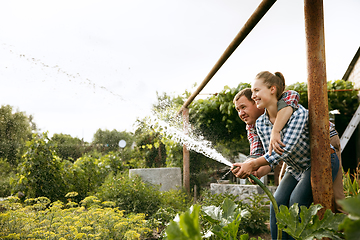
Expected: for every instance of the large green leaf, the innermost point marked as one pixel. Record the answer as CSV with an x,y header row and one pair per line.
x,y
351,224
188,226
351,205
310,226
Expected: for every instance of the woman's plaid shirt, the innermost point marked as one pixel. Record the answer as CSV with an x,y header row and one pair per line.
x,y
295,135
288,98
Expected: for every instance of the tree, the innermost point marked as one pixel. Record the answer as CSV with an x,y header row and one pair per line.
x,y
68,147
15,129
109,140
39,173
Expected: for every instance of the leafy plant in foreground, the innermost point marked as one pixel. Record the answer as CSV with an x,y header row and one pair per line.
x,y
351,224
187,227
310,226
225,219
224,223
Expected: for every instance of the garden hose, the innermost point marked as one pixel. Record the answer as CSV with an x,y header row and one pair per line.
x,y
271,197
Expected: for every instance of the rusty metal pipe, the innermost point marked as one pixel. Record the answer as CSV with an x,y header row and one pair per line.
x,y
321,179
261,10
186,153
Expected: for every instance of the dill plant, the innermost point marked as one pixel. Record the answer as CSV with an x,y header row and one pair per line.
x,y
38,219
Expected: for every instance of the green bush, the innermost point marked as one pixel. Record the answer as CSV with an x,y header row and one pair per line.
x,y
130,194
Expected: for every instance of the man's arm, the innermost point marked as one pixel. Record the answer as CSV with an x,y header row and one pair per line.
x,y
243,170
256,147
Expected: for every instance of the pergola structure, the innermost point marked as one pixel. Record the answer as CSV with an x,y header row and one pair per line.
x,y
317,94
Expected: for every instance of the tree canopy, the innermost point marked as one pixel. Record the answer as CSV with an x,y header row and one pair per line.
x,y
15,129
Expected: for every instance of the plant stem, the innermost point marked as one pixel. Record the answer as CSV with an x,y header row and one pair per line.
x,y
271,197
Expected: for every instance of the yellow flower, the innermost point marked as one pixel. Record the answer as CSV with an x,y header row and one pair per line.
x,y
131,235
86,229
80,235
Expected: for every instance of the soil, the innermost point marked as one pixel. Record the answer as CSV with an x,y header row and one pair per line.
x,y
264,236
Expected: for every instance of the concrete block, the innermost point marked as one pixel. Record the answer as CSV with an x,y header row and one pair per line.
x,y
167,178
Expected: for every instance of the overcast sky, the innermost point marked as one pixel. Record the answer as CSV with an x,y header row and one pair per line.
x,y
78,66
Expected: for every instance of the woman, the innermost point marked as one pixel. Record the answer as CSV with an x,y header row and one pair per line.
x,y
295,186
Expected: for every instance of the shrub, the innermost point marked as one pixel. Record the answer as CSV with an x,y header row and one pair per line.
x,y
130,194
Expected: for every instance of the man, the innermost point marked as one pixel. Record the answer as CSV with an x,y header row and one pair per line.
x,y
248,112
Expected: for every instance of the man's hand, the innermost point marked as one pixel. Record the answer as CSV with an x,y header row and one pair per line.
x,y
242,170
275,142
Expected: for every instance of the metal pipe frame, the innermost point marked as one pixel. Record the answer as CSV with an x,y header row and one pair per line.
x,y
321,179
261,10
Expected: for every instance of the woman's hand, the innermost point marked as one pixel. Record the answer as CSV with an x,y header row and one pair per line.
x,y
275,142
262,171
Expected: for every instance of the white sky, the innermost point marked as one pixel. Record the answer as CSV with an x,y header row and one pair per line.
x,y
78,66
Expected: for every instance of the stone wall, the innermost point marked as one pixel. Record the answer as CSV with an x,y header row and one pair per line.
x,y
244,192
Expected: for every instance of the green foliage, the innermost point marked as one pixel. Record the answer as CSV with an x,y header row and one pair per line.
x,y
351,224
39,219
40,170
15,130
309,227
130,194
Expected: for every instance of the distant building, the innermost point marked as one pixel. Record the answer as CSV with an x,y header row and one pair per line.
x,y
352,74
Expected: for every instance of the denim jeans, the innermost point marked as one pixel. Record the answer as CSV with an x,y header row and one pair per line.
x,y
291,191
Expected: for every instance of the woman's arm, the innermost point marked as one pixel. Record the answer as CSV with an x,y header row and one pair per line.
x,y
281,119
286,105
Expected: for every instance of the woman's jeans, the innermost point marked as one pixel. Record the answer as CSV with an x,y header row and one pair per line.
x,y
291,191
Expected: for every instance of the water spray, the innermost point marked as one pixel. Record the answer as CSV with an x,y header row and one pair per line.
x,y
204,147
